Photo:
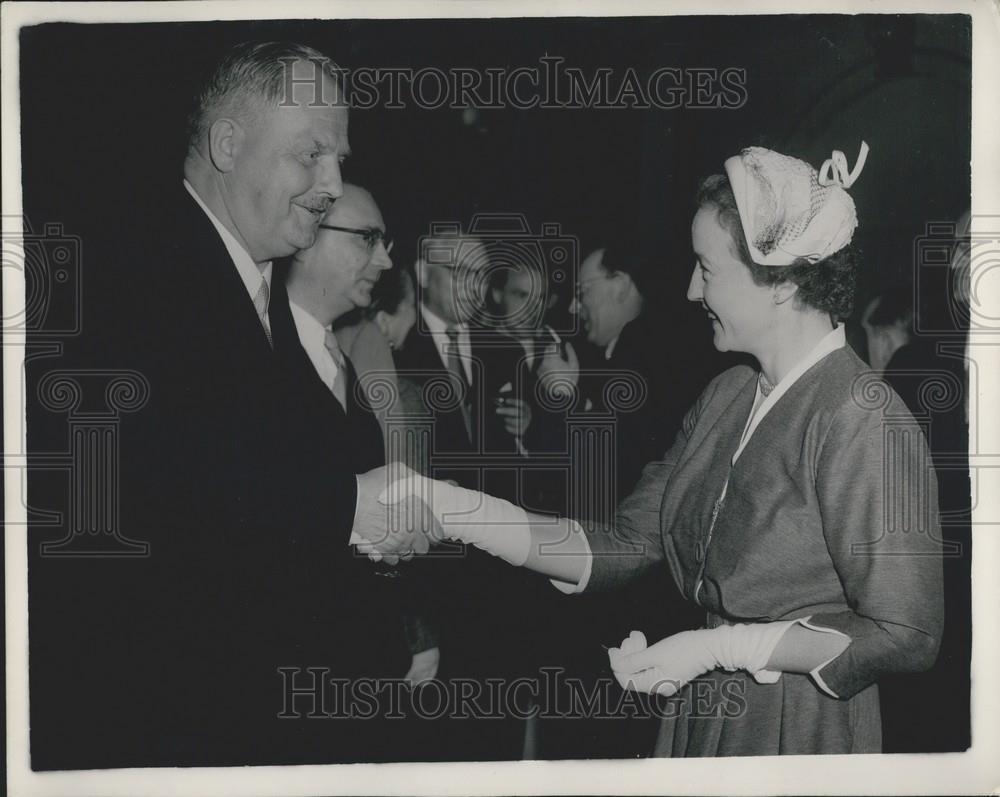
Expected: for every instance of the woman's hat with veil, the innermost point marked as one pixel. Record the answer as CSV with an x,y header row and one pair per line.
x,y
789,210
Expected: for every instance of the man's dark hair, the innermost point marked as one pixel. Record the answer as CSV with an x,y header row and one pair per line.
x,y
251,76
622,254
827,285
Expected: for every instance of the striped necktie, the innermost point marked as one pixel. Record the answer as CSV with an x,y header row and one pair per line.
x,y
260,302
340,380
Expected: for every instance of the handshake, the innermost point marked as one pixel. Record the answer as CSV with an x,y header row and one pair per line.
x,y
401,513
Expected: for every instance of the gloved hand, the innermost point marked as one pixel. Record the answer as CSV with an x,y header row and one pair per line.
x,y
394,530
665,667
491,524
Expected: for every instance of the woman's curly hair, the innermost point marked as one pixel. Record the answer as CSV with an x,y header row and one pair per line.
x,y
827,285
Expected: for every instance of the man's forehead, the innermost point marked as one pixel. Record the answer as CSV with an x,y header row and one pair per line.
x,y
323,120
355,208
301,128
309,84
473,254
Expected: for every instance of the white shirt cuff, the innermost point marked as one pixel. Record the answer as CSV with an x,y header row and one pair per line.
x,y
568,588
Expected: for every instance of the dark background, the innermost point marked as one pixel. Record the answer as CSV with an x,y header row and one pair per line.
x,y
103,109
102,124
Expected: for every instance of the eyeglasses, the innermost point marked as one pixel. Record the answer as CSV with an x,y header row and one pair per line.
x,y
372,235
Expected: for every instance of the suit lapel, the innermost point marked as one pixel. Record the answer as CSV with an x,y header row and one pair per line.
x,y
214,278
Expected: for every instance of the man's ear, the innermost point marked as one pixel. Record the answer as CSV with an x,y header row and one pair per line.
x,y
497,295
225,137
382,322
623,282
784,291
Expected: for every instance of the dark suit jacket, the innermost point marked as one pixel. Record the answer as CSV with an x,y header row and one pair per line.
x,y
355,434
495,363
645,428
239,477
481,600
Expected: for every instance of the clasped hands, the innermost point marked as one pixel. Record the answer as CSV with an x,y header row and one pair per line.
x,y
401,513
399,525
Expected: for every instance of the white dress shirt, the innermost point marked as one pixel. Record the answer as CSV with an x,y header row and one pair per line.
x,y
251,274
312,336
438,328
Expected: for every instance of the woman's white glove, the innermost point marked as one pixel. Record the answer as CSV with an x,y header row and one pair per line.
x,y
491,524
672,662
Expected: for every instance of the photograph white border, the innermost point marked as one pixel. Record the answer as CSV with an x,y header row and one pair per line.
x,y
974,772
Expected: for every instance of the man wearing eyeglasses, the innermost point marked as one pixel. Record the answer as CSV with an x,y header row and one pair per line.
x,y
615,303
324,283
337,273
476,430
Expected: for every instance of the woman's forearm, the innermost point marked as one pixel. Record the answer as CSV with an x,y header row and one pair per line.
x,y
558,550
803,649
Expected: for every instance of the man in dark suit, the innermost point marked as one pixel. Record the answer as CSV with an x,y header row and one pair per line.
x,y
326,282
197,654
617,308
484,411
631,380
472,383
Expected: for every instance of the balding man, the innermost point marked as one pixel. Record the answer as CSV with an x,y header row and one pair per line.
x,y
198,653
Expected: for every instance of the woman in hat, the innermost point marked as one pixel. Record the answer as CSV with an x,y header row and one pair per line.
x,y
797,506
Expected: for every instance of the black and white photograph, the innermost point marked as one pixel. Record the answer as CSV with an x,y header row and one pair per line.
x,y
501,399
